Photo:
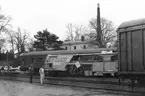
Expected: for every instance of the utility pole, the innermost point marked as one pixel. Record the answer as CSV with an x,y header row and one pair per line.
x,y
99,32
8,64
7,59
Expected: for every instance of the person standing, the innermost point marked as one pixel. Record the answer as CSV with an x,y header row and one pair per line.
x,y
31,73
42,74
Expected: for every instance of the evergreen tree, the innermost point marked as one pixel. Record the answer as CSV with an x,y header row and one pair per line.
x,y
46,40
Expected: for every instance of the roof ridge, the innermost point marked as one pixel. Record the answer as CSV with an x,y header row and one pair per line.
x,y
131,23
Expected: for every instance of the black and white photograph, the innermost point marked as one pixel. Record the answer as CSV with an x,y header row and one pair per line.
x,y
72,48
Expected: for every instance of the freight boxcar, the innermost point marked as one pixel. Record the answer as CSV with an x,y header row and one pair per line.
x,y
131,50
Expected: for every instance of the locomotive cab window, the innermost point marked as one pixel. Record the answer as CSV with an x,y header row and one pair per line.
x,y
33,60
98,58
39,60
114,58
50,65
86,58
66,48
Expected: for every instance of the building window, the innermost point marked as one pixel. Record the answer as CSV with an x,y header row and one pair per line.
x,y
74,47
50,65
65,48
84,46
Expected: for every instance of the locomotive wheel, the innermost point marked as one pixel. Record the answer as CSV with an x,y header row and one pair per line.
x,y
74,71
79,71
70,70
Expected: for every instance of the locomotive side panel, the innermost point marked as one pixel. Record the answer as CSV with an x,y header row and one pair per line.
x,y
37,61
27,59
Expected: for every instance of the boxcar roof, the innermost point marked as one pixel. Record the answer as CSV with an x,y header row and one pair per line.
x,y
56,52
132,23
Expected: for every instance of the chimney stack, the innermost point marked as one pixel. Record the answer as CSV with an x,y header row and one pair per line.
x,y
99,37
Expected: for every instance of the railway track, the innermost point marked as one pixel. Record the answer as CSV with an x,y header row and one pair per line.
x,y
110,84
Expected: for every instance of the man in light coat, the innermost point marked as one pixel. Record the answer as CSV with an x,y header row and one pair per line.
x,y
42,74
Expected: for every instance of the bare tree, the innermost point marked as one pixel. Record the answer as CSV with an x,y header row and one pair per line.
x,y
107,29
11,38
20,40
4,26
74,32
4,22
2,41
79,31
70,32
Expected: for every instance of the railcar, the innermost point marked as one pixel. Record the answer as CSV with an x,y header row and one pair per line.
x,y
74,63
131,50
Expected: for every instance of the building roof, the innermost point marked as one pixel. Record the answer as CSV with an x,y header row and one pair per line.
x,y
56,52
133,23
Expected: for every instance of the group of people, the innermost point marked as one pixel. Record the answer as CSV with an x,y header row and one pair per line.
x,y
41,72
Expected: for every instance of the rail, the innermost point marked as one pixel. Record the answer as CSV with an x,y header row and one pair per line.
x,y
101,83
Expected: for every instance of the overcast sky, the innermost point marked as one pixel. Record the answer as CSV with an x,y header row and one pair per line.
x,y
35,15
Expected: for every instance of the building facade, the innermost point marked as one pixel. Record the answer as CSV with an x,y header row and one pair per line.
x,y
76,45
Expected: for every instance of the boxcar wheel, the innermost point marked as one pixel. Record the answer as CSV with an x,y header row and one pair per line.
x,y
141,81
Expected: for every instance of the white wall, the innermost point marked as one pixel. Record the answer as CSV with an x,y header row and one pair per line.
x,y
71,47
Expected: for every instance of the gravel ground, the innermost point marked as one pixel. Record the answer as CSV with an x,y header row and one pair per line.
x,y
16,88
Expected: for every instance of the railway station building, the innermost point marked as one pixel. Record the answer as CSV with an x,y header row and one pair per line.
x,y
77,45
